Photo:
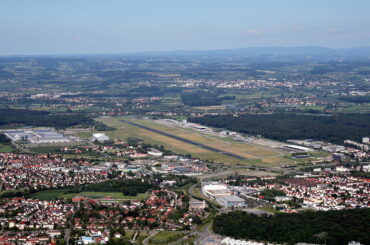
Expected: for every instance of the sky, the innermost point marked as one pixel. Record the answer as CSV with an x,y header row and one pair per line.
x,y
121,26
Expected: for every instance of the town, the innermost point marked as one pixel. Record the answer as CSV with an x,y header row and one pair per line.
x,y
75,195
186,148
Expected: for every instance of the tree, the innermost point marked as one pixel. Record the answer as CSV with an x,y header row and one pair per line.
x,y
322,236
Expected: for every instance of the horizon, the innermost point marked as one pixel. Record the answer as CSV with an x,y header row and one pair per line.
x,y
184,50
41,27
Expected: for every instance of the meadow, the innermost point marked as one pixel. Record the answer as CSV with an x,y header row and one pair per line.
x,y
61,193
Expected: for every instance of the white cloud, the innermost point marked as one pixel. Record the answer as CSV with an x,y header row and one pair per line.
x,y
254,32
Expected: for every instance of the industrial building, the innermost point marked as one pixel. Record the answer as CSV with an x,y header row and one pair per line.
x,y
37,136
222,194
296,148
231,201
215,189
338,157
197,204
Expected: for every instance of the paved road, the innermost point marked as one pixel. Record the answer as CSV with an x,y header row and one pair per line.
x,y
67,235
151,234
217,174
186,140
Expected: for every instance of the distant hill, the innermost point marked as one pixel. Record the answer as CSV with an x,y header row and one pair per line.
x,y
359,52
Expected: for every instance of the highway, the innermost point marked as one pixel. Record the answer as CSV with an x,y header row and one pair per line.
x,y
186,140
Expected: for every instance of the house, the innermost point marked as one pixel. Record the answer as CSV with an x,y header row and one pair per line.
x,y
86,240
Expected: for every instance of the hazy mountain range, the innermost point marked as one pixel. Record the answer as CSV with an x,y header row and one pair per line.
x,y
309,51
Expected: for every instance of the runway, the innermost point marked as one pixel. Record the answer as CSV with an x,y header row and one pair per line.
x,y
186,140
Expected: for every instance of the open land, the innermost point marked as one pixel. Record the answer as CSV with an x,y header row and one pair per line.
x,y
165,237
5,148
114,195
256,155
53,194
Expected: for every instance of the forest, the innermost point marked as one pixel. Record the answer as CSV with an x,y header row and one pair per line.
x,y
4,139
330,227
24,117
203,99
356,99
334,128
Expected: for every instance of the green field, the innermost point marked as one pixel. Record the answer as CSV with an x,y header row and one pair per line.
x,y
45,149
84,135
141,236
165,237
129,234
256,154
49,194
5,148
60,193
114,195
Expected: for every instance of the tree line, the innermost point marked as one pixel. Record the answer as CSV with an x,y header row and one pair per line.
x,y
203,99
330,227
26,117
41,118
356,99
333,128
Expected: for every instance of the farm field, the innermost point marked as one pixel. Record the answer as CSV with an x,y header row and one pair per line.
x,y
256,155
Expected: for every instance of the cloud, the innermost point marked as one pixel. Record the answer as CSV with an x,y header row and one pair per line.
x,y
254,32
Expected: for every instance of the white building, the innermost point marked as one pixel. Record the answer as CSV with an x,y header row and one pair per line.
x,y
366,140
354,243
341,169
366,168
86,240
232,241
297,148
100,137
155,152
215,189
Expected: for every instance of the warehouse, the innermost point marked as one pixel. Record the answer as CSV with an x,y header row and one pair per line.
x,y
37,136
215,189
231,201
296,148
